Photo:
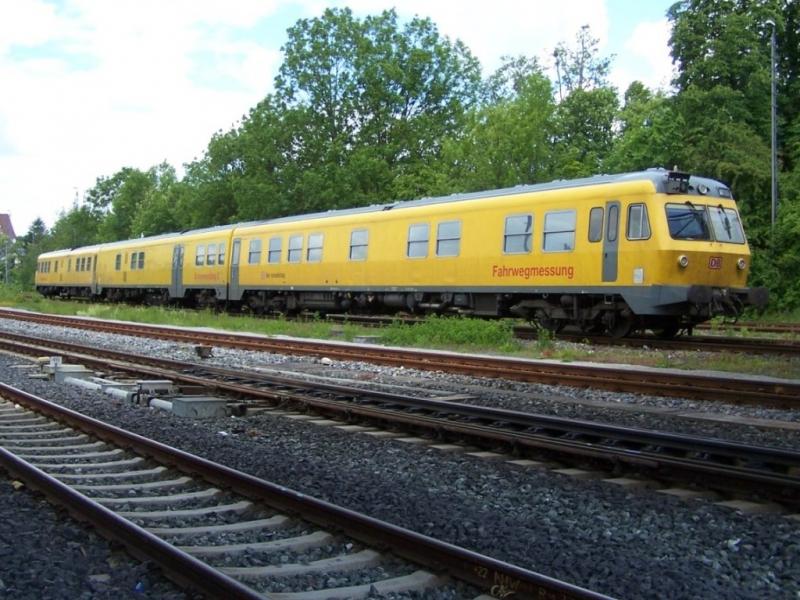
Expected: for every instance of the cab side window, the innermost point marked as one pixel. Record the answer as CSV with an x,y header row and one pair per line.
x,y
638,222
596,224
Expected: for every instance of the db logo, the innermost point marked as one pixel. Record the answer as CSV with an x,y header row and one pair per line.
x,y
715,262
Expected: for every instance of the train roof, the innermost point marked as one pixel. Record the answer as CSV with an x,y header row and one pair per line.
x,y
665,182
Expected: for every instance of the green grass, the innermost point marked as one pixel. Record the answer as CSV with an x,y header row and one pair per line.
x,y
448,333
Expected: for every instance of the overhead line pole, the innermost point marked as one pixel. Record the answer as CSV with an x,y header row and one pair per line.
x,y
773,125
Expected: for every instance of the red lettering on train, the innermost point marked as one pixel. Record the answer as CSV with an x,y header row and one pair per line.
x,y
500,271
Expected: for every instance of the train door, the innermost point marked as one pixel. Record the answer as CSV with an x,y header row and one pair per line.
x,y
234,293
611,241
94,287
176,290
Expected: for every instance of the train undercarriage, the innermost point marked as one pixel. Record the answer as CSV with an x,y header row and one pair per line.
x,y
592,313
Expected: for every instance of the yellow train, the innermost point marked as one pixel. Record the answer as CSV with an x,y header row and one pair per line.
x,y
655,249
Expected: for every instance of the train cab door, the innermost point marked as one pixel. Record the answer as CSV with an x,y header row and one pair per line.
x,y
176,290
234,292
611,241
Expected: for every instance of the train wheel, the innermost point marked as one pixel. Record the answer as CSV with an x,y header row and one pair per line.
x,y
551,325
619,324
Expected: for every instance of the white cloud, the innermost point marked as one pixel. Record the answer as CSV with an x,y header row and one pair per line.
x,y
646,57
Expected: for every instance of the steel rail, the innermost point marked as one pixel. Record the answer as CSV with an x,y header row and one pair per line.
x,y
706,342
487,573
711,462
684,384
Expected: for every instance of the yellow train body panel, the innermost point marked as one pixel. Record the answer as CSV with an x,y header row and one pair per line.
x,y
481,261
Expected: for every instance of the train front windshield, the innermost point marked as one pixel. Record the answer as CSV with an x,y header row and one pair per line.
x,y
700,222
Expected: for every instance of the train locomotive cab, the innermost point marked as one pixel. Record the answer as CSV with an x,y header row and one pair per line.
x,y
703,258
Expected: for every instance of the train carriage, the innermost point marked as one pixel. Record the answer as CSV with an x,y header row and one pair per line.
x,y
71,273
652,249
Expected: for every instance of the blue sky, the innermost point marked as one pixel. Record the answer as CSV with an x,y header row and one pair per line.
x,y
91,86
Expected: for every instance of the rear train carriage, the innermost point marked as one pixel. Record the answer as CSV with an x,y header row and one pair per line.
x,y
68,273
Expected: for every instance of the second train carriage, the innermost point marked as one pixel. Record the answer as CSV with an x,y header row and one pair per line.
x,y
611,253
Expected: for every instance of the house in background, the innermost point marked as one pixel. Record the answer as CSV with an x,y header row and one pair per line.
x,y
6,228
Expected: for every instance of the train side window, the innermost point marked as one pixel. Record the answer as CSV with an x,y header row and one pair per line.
x,y
56,269
359,239
221,254
559,231
88,264
613,222
417,246
638,223
211,257
448,238
118,262
141,260
254,252
200,256
314,251
274,253
295,248
134,260
596,224
518,234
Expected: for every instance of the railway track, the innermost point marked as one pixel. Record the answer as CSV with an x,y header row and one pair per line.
x,y
221,531
784,328
684,384
734,469
707,343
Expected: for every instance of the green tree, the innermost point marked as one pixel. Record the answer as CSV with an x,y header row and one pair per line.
x,y
156,212
650,132
508,142
584,132
580,67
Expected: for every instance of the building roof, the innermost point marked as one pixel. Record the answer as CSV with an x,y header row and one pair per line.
x,y
6,228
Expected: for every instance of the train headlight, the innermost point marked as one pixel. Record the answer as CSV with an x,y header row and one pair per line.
x,y
683,261
741,264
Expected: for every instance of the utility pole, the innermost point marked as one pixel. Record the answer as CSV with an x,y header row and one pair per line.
x,y
774,126
5,278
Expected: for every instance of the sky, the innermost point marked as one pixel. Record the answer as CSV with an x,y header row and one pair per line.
x,y
92,86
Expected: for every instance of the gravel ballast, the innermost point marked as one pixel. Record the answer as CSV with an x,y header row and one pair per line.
x,y
629,544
